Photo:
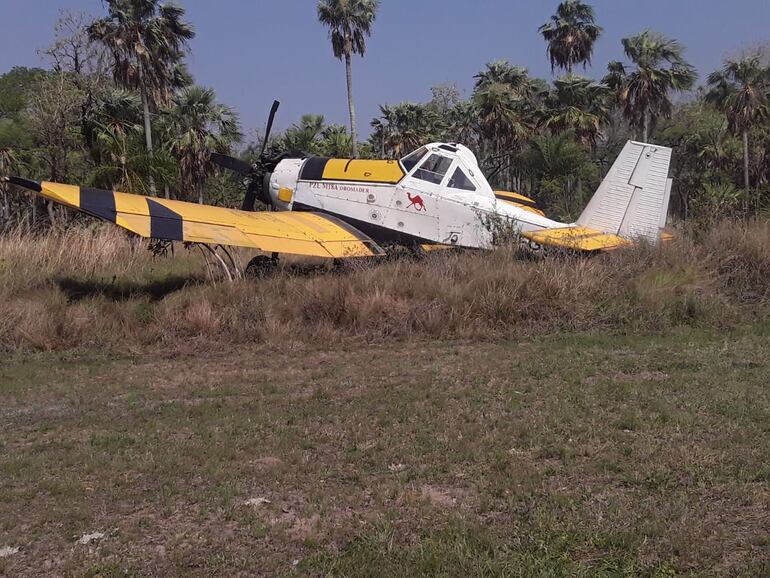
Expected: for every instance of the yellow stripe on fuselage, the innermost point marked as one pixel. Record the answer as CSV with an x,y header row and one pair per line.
x,y
363,171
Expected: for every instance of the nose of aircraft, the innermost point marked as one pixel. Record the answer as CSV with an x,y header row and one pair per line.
x,y
283,183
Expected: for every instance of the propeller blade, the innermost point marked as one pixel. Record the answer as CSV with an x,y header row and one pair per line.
x,y
270,120
232,164
250,197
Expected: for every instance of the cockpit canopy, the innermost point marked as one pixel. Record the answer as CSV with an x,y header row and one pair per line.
x,y
411,160
452,165
450,149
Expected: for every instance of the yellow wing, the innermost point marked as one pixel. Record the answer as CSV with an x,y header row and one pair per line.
x,y
577,238
299,233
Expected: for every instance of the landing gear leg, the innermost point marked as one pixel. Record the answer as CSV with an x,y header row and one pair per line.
x,y
228,265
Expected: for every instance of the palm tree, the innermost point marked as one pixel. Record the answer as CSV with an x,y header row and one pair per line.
x,y
616,80
554,161
579,105
349,23
645,93
404,127
501,96
198,126
304,136
503,102
116,126
119,153
740,91
571,35
516,78
335,141
147,40
500,112
462,123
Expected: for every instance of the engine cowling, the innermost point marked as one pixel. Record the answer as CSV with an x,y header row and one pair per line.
x,y
283,183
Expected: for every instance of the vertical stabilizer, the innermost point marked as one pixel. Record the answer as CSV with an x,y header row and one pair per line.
x,y
633,199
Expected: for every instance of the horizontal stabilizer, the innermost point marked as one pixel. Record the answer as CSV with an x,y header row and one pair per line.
x,y
577,238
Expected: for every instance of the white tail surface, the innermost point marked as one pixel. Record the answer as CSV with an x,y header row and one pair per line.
x,y
633,199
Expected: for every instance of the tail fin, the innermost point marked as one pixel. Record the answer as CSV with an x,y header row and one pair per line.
x,y
633,199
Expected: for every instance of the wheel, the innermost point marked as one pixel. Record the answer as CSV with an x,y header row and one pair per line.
x,y
261,266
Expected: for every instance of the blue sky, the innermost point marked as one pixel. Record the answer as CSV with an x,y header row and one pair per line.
x,y
253,51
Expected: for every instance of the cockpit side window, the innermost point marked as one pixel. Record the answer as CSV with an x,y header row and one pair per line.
x,y
461,181
410,161
434,169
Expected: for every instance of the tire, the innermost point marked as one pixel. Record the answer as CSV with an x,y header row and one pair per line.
x,y
260,267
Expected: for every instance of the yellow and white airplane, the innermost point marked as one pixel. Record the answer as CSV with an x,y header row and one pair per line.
x,y
345,208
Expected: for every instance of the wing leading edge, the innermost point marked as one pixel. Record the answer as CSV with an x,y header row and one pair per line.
x,y
298,233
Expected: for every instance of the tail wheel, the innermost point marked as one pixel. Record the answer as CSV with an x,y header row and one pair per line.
x,y
531,249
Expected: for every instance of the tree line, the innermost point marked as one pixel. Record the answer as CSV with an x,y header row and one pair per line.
x,y
117,108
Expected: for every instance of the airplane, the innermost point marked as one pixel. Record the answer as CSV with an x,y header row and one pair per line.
x,y
436,196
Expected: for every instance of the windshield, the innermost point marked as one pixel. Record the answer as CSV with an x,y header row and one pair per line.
x,y
410,161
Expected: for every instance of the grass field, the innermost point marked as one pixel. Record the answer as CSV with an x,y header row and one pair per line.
x,y
96,288
580,455
468,414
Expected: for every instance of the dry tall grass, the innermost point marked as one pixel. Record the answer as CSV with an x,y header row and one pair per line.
x,y
97,287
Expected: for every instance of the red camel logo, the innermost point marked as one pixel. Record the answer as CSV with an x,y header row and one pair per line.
x,y
416,202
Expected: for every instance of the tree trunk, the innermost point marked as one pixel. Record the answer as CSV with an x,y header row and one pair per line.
x,y
51,213
646,133
5,206
746,176
351,107
88,133
148,135
123,172
580,189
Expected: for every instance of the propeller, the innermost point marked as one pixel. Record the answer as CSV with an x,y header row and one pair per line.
x,y
256,173
270,119
232,164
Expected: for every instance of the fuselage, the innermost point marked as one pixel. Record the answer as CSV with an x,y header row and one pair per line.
x,y
437,195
